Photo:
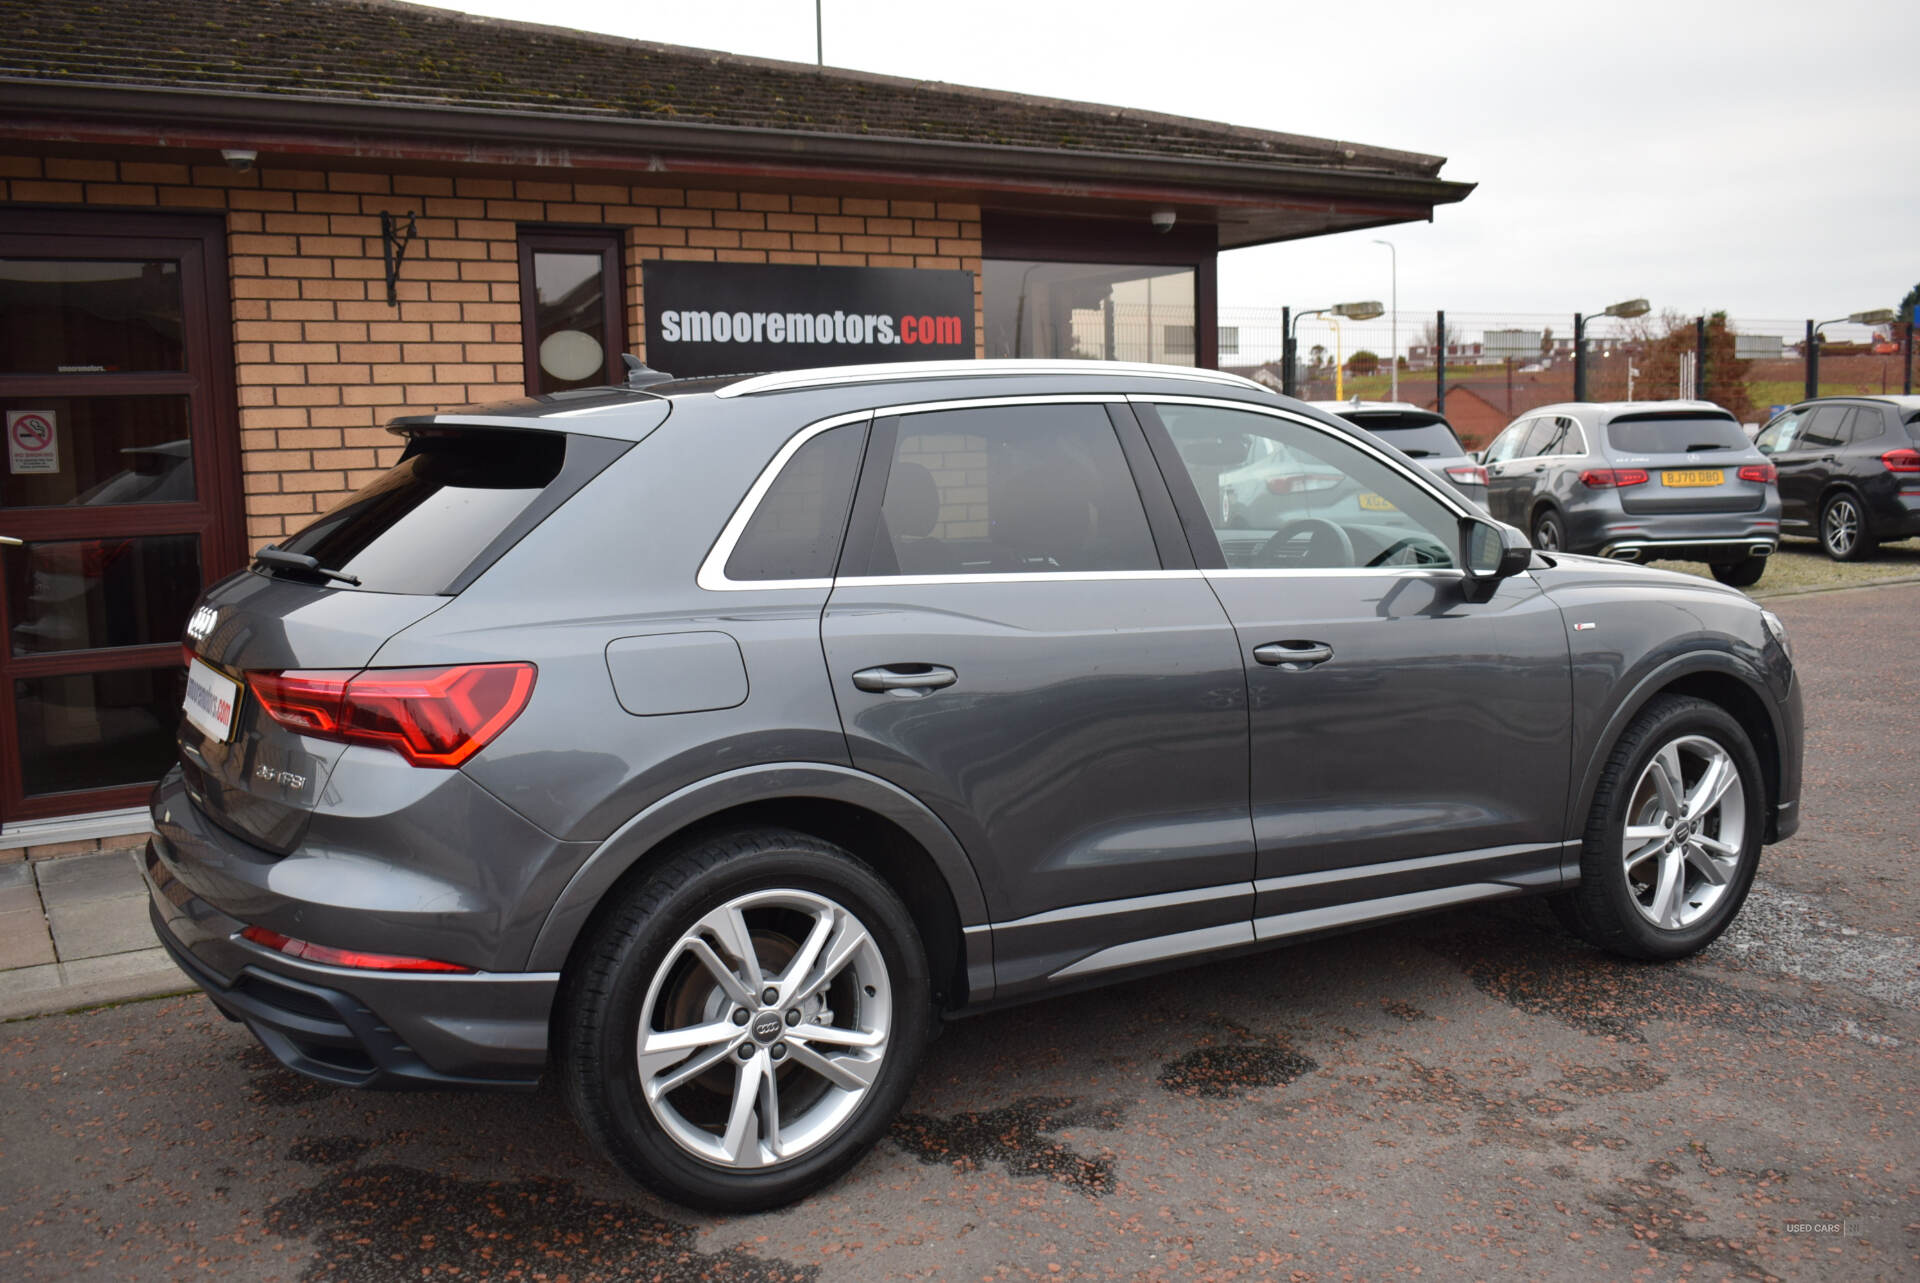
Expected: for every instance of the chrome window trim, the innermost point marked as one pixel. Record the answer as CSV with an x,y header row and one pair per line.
x,y
713,570
713,577
888,372
712,574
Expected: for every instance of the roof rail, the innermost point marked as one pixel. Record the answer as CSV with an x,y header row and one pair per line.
x,y
830,376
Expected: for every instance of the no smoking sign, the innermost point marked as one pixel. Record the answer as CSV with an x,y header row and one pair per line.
x,y
33,442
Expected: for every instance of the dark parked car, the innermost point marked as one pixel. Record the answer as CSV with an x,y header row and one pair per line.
x,y
703,743
1422,435
1849,471
1639,481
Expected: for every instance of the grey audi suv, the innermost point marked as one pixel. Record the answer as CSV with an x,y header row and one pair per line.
x,y
1639,481
702,744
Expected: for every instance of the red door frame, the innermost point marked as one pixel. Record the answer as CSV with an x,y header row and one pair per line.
x,y
198,243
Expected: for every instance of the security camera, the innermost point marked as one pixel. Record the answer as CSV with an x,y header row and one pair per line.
x,y
1162,220
239,159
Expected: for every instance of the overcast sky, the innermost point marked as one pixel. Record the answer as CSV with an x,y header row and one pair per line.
x,y
1762,157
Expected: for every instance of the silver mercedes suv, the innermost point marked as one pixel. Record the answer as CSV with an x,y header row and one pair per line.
x,y
1639,481
702,744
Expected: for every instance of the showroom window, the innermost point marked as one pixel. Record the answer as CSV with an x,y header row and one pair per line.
x,y
1101,311
570,311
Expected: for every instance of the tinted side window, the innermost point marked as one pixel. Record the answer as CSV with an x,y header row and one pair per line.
x,y
1308,499
1866,424
1507,445
795,533
1011,490
1825,428
1553,436
1782,433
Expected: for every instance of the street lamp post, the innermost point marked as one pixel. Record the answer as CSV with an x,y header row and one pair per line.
x,y
1879,316
1363,311
1393,322
1628,310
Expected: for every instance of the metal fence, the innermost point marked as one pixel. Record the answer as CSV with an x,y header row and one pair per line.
x,y
1500,365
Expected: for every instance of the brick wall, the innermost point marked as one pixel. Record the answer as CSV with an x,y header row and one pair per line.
x,y
322,362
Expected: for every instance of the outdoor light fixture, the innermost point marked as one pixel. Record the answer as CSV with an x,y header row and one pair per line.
x,y
1362,311
1878,316
1626,311
239,159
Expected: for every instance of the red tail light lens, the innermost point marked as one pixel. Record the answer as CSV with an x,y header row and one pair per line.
x,y
1901,460
430,716
333,957
1468,474
1764,473
1604,478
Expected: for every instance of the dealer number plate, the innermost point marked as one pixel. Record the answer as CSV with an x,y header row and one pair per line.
x,y
1696,477
210,701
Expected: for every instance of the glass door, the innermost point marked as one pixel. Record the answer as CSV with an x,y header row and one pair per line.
x,y
120,486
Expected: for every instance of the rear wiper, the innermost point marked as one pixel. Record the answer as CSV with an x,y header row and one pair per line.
x,y
274,555
1418,454
1705,445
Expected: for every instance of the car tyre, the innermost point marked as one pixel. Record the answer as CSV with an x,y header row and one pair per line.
x,y
832,945
1741,574
1548,534
1658,881
1844,533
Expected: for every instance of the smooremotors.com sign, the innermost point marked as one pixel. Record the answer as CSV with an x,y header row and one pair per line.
x,y
741,318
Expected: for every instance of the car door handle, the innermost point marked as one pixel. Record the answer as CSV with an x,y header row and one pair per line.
x,y
1293,656
1539,467
904,677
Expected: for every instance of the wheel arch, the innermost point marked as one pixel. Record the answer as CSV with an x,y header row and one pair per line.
x,y
905,843
1720,680
1543,504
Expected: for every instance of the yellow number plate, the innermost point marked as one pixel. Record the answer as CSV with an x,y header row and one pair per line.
x,y
1698,477
1376,503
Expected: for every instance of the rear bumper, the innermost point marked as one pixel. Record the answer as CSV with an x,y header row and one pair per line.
x,y
355,1028
1640,548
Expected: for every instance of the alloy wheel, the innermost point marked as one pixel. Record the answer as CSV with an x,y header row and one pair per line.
x,y
1842,527
764,1028
1686,827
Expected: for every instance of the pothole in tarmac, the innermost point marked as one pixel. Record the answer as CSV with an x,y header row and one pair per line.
x,y
1546,973
1219,1072
1784,931
1018,1137
393,1222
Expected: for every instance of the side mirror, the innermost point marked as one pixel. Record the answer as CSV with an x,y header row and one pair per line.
x,y
1492,550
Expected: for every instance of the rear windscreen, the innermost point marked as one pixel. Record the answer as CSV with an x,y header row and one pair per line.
x,y
1673,434
1418,436
416,528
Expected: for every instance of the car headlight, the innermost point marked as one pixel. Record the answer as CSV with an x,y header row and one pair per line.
x,y
1779,631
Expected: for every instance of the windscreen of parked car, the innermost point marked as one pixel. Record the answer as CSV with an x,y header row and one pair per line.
x,y
1418,436
419,525
1674,433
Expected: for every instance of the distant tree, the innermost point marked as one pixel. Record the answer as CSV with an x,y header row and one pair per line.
x,y
1671,341
1364,362
1318,355
1905,310
1546,341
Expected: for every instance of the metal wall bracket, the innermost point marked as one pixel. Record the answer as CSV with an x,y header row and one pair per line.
x,y
394,239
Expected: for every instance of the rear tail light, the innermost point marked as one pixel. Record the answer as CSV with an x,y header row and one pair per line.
x,y
1605,478
1468,474
1295,483
1901,460
333,957
1765,473
430,716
